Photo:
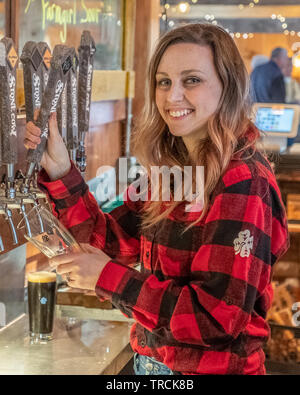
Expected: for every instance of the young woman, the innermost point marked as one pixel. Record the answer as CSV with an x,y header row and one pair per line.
x,y
201,297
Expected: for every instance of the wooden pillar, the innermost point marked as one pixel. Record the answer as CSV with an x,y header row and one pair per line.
x,y
146,36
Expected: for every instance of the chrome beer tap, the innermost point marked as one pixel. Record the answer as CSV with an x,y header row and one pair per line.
x,y
8,216
86,53
27,225
35,204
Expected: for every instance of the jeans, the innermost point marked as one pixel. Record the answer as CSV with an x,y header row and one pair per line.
x,y
144,365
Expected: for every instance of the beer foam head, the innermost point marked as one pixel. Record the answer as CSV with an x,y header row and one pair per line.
x,y
41,277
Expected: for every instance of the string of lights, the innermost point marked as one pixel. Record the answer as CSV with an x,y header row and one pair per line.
x,y
185,7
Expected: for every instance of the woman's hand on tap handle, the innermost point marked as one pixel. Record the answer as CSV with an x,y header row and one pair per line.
x,y
55,159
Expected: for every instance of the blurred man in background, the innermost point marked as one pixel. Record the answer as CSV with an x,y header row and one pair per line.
x,y
267,80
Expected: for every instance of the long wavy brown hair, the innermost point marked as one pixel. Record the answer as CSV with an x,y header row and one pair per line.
x,y
153,145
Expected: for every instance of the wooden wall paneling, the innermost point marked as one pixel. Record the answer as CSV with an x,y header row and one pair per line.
x,y
12,20
129,34
109,85
7,13
147,33
107,111
103,147
104,141
129,15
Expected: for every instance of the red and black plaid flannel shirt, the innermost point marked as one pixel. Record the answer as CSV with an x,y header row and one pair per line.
x,y
200,300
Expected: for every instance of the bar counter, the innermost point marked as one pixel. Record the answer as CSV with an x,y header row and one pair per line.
x,y
79,347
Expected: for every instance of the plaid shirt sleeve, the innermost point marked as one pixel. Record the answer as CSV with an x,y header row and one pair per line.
x,y
117,234
244,233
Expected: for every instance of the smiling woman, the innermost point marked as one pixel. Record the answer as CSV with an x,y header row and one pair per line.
x,y
199,302
197,97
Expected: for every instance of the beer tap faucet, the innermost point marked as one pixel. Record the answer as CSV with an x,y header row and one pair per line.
x,y
86,53
36,203
8,217
45,67
8,109
27,225
61,63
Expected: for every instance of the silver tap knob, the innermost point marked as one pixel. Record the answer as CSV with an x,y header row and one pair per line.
x,y
36,204
27,225
11,225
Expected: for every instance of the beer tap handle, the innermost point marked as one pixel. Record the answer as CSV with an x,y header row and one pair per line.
x,y
46,54
61,63
72,110
11,225
32,61
27,225
8,111
62,114
86,53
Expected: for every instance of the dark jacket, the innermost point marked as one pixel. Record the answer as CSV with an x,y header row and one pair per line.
x,y
267,84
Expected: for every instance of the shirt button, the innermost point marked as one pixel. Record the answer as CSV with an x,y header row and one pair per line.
x,y
142,343
147,254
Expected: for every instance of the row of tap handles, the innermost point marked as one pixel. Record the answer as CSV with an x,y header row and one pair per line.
x,y
59,82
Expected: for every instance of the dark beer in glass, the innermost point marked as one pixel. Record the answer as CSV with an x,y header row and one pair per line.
x,y
41,305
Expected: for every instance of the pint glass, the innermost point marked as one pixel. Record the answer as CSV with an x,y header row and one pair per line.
x,y
47,233
41,305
